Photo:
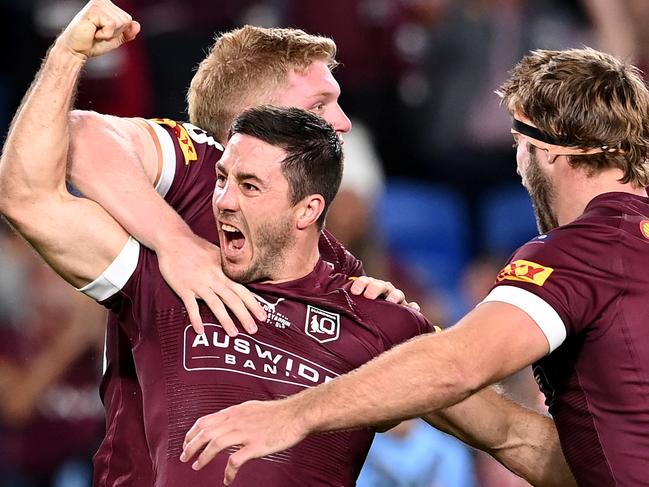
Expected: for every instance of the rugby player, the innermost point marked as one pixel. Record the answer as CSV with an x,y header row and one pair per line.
x,y
572,301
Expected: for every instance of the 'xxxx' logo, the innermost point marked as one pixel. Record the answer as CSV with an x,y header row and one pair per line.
x,y
525,271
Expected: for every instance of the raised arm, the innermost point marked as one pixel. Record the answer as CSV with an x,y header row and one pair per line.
x,y
523,440
117,162
75,236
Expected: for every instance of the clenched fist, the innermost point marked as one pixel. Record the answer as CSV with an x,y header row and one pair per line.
x,y
97,29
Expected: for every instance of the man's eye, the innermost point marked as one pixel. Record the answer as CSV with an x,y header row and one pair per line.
x,y
318,107
249,187
220,180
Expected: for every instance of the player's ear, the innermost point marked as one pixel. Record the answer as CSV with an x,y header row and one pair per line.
x,y
308,210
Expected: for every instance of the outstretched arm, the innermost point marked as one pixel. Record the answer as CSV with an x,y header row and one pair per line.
x,y
523,440
427,373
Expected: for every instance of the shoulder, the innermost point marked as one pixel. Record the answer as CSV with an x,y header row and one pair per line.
x,y
584,242
395,323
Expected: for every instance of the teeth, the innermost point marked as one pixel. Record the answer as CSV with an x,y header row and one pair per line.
x,y
228,228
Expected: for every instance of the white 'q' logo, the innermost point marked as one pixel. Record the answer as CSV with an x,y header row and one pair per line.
x,y
321,325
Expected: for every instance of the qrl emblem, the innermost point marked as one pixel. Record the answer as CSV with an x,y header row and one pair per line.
x,y
321,325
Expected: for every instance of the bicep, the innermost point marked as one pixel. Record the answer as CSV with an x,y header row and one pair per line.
x,y
75,236
101,143
497,339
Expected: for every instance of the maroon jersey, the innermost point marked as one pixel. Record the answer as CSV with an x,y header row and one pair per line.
x,y
187,181
316,330
586,285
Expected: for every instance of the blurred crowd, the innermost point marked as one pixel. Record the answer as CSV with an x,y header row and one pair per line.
x,y
430,199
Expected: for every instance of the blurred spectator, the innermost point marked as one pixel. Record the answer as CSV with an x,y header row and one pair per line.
x,y
351,220
50,413
620,28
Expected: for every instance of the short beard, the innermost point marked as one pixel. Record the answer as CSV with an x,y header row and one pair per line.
x,y
541,193
273,241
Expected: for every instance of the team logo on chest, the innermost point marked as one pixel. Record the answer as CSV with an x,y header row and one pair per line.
x,y
323,326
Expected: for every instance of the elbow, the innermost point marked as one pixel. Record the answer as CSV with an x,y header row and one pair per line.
x,y
13,204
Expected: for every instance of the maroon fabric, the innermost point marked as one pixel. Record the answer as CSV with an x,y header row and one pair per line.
x,y
316,331
597,382
123,458
67,419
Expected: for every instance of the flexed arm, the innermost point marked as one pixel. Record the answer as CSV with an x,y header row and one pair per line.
x,y
116,162
74,235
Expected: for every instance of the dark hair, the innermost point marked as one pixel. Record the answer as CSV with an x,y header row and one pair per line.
x,y
589,99
314,156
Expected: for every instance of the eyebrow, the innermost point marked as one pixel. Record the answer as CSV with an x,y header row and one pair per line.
x,y
242,176
328,94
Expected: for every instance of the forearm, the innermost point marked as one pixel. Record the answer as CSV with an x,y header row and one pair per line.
x,y
523,440
390,387
427,373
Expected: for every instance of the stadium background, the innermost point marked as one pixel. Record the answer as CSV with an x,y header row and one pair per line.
x,y
430,196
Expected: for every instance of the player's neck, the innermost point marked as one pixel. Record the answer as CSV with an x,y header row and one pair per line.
x,y
574,195
299,261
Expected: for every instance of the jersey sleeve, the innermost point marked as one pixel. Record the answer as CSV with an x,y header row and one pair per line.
x,y
188,173
129,287
561,280
115,277
336,254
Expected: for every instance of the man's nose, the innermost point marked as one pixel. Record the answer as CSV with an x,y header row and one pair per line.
x,y
225,198
342,124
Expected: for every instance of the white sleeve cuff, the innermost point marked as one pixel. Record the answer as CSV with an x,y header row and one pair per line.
x,y
113,279
539,310
168,159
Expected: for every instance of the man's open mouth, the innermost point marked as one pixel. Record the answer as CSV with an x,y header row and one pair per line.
x,y
234,239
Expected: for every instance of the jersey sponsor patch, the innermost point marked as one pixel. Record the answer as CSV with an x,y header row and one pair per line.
x,y
214,350
644,228
323,326
184,141
525,271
